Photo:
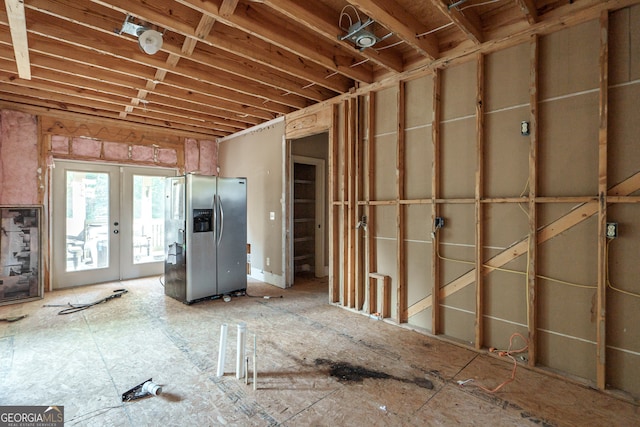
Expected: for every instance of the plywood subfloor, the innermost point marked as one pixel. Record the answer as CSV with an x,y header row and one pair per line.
x,y
319,365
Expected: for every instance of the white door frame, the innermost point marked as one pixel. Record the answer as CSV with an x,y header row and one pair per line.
x,y
320,211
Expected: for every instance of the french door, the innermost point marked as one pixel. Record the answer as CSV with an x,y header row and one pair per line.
x,y
108,222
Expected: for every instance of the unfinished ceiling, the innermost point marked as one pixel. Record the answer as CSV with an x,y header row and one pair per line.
x,y
227,65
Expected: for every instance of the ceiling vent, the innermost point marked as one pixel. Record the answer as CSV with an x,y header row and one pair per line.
x,y
149,40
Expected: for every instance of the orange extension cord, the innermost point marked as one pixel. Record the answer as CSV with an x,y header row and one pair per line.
x,y
505,353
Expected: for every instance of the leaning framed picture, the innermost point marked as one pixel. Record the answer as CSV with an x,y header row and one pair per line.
x,y
20,253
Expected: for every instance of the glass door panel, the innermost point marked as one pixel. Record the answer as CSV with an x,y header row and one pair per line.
x,y
87,220
85,223
142,253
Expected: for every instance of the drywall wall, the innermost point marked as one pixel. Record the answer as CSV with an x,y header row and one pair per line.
x,y
258,155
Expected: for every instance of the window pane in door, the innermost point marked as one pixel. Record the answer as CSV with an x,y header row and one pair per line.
x,y
87,220
148,219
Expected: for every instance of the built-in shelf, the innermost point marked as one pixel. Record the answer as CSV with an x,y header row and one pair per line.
x,y
303,220
304,192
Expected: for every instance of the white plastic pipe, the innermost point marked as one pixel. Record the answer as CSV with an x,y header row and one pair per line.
x,y
242,339
222,350
255,364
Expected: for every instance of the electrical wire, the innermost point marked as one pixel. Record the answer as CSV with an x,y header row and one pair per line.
x,y
388,46
343,14
426,33
504,353
479,4
622,291
73,308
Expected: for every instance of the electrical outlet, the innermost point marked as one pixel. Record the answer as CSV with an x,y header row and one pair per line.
x,y
612,230
439,223
268,261
272,216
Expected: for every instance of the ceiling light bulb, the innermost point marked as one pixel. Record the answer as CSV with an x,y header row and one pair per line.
x,y
365,40
150,41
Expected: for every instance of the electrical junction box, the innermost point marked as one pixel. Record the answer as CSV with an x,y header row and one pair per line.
x,y
612,230
439,223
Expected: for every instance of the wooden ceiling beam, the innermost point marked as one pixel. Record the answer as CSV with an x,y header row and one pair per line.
x,y
401,23
72,61
248,19
247,46
228,7
528,8
273,90
78,105
468,23
324,21
103,42
18,26
82,85
271,55
90,119
68,95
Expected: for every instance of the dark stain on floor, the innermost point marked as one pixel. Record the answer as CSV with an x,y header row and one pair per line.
x,y
346,372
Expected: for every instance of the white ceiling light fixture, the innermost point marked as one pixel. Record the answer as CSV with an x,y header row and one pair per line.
x,y
149,40
358,32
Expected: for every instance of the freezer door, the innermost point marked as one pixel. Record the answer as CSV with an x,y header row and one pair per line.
x,y
231,236
201,241
175,273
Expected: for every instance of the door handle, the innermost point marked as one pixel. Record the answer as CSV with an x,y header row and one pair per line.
x,y
221,219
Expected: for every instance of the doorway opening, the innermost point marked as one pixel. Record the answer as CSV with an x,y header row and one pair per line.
x,y
308,208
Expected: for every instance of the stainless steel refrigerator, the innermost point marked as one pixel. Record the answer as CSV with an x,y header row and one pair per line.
x,y
205,236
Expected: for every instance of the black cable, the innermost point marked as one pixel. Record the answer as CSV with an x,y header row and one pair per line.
x,y
79,307
161,282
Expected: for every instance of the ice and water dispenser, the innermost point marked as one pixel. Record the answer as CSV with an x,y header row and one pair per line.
x,y
202,220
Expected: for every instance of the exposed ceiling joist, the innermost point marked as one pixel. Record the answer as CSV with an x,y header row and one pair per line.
x,y
468,23
18,25
529,9
227,65
400,22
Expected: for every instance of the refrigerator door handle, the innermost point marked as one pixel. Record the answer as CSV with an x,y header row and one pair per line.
x,y
221,219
